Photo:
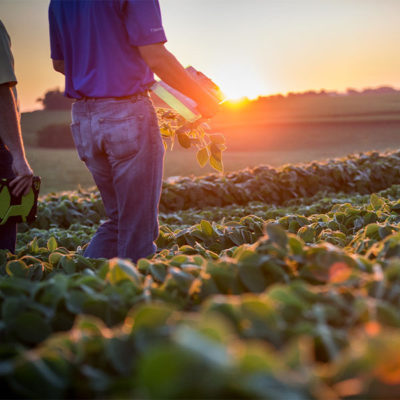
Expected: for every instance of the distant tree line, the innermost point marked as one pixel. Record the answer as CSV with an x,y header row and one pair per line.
x,y
313,93
379,90
55,100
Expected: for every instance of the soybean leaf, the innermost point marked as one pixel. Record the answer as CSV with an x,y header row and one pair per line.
x,y
202,156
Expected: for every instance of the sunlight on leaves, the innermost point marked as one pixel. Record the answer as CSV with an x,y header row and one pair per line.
x,y
192,135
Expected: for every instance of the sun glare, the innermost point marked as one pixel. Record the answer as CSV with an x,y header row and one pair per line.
x,y
236,91
238,84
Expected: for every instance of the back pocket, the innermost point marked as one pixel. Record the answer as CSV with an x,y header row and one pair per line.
x,y
76,135
122,136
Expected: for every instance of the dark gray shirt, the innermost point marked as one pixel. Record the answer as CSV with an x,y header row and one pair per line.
x,y
7,73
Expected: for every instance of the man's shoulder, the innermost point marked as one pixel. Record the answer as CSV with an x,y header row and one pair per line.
x,y
7,74
3,31
5,42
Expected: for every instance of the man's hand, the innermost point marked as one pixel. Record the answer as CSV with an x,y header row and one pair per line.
x,y
208,107
167,68
10,133
22,183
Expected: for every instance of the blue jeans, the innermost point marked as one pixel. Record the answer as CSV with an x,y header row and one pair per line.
x,y
120,143
8,231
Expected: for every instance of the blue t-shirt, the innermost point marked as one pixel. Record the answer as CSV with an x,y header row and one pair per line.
x,y
98,41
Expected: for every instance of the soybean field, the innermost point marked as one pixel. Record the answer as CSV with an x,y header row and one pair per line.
x,y
268,283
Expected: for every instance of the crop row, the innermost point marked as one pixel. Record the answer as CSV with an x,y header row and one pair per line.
x,y
366,173
357,227
255,306
84,207
186,279
354,226
290,186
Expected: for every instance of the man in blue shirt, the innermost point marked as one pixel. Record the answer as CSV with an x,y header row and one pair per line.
x,y
108,51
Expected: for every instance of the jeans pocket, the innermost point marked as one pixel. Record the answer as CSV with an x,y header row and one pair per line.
x,y
76,135
122,136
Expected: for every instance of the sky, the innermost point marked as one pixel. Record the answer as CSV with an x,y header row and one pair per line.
x,y
248,47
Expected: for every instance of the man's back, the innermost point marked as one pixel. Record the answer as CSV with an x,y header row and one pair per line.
x,y
98,42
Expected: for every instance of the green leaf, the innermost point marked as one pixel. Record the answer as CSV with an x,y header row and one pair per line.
x,y
376,202
252,277
286,296
296,245
216,164
371,231
307,234
159,382
97,379
12,307
206,227
202,156
178,260
388,315
123,270
54,258
38,379
184,140
277,234
16,268
143,265
34,246
52,244
75,300
31,327
151,316
215,151
183,278
158,272
68,264
121,353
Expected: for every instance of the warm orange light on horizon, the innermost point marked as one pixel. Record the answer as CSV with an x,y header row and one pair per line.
x,y
236,103
238,83
237,93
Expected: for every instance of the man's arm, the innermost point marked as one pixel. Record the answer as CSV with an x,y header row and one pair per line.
x,y
10,133
168,68
59,66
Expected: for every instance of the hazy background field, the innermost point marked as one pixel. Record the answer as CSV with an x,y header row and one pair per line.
x,y
289,130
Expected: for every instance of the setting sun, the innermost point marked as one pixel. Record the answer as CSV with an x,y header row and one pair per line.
x,y
237,83
236,90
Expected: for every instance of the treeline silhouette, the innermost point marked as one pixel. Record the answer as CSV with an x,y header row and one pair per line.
x,y
325,93
55,100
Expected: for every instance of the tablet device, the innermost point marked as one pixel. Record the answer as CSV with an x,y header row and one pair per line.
x,y
18,208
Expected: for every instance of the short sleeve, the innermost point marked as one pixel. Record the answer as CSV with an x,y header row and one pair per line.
x,y
55,42
143,22
7,74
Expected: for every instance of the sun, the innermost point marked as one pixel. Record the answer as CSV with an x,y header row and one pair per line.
x,y
236,84
236,92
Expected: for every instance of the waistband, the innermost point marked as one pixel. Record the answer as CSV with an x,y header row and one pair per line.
x,y
133,97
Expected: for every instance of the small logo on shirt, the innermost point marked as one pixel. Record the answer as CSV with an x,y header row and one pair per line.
x,y
156,29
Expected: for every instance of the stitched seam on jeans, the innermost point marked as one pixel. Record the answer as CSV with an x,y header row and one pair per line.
x,y
153,189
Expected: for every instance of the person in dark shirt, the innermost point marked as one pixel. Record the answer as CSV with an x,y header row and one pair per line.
x,y
13,163
109,51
